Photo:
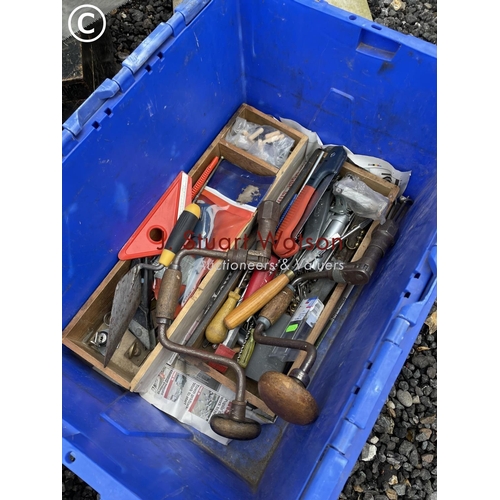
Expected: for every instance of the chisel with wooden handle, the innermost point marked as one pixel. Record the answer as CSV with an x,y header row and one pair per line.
x,y
257,300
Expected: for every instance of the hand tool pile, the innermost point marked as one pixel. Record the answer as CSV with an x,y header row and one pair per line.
x,y
300,248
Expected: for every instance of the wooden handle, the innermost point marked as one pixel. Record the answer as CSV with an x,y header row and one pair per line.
x,y
278,305
257,300
285,246
216,331
169,294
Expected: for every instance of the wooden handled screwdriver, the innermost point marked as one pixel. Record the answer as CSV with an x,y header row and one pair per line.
x,y
257,300
216,331
189,217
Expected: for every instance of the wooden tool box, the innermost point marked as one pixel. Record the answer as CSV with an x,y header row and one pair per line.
x,y
90,317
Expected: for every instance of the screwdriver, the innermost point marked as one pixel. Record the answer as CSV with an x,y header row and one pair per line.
x,y
216,331
255,302
189,217
327,169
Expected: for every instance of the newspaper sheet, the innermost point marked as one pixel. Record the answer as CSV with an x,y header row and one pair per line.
x,y
192,397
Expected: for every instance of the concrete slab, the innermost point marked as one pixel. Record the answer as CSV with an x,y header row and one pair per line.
x,y
359,7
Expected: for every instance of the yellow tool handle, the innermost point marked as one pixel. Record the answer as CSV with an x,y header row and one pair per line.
x,y
216,331
247,351
180,233
257,300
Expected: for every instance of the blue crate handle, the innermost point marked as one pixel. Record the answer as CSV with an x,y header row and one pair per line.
x,y
412,312
390,350
184,14
367,403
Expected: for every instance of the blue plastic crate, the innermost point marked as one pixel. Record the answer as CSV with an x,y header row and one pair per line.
x,y
355,83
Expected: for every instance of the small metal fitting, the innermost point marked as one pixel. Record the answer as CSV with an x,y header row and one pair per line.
x,y
301,376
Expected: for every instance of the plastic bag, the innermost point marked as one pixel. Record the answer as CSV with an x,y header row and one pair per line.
x,y
376,166
361,199
263,141
228,203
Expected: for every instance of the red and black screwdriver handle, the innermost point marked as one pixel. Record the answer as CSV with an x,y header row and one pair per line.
x,y
285,246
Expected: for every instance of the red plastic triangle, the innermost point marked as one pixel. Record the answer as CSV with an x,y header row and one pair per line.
x,y
150,237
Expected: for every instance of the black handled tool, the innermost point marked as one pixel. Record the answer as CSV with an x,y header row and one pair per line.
x,y
185,225
285,245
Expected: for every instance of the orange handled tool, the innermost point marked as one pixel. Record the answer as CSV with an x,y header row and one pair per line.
x,y
203,177
285,245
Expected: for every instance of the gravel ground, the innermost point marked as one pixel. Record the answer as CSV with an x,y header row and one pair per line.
x,y
399,459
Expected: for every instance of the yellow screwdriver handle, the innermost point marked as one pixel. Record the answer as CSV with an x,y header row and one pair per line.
x,y
247,351
216,331
257,300
183,227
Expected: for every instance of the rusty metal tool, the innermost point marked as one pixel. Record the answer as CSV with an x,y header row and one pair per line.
x,y
235,425
286,395
142,326
356,273
226,349
126,300
383,238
